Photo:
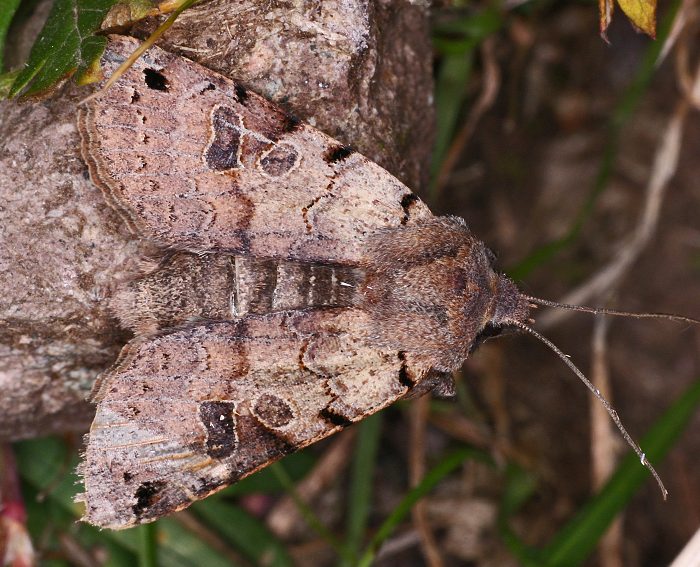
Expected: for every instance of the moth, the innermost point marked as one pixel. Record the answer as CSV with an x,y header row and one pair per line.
x,y
300,287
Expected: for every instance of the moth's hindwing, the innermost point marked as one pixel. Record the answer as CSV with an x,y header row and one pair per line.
x,y
186,413
194,161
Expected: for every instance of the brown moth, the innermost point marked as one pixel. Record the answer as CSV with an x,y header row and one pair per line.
x,y
301,288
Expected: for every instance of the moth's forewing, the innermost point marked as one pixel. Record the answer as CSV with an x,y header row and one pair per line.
x,y
194,161
187,413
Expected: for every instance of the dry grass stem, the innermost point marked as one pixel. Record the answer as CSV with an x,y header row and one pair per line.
x,y
462,429
212,539
490,84
285,516
398,544
609,276
688,557
75,553
603,442
419,419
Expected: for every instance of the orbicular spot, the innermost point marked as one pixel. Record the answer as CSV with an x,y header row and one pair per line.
x,y
223,151
155,80
219,422
272,411
279,161
337,153
146,495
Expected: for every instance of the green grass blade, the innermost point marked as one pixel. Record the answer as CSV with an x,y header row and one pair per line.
x,y
435,475
245,532
451,83
360,497
148,548
579,538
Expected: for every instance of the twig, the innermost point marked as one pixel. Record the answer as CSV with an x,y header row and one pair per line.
x,y
75,553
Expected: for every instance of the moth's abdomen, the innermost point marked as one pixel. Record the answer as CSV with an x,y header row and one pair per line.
x,y
187,287
270,286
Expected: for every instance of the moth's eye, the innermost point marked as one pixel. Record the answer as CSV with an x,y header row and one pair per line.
x,y
488,332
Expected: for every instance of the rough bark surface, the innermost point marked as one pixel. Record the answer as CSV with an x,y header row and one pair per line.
x,y
341,66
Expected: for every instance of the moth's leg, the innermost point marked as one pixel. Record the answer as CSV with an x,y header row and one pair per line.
x,y
440,384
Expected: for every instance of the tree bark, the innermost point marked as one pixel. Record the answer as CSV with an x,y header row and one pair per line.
x,y
358,70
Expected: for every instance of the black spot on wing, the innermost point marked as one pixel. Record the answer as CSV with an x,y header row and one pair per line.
x,y
147,495
290,124
241,94
404,377
220,424
337,153
334,418
209,87
407,202
155,80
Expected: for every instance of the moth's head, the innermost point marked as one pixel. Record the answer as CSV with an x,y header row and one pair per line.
x,y
508,309
509,304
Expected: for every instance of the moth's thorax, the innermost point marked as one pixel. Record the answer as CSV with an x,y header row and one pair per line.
x,y
187,287
431,289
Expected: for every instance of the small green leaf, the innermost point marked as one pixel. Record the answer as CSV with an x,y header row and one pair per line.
x,y
6,80
7,11
65,46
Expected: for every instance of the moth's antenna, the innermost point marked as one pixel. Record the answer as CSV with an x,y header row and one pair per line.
x,y
596,392
604,311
